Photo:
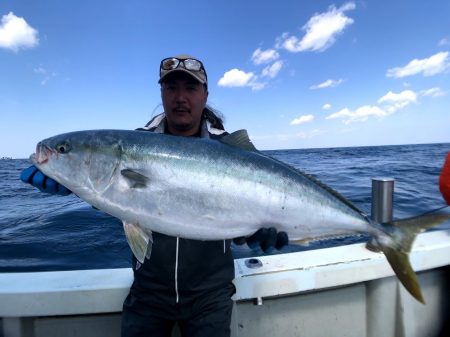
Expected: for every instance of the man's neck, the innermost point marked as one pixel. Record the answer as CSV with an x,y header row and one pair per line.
x,y
184,133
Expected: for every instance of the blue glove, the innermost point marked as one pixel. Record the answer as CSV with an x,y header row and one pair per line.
x,y
45,184
267,239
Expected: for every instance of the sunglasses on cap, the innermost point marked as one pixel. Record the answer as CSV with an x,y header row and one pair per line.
x,y
189,64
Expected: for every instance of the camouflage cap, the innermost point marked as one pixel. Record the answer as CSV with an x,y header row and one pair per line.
x,y
183,63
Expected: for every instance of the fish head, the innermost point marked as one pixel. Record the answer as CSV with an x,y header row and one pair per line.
x,y
85,162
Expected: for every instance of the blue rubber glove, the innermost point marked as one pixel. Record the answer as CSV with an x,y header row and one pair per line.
x,y
45,184
267,239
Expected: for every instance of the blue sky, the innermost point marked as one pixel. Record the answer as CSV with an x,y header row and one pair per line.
x,y
295,74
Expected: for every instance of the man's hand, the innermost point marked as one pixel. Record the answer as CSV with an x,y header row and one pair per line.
x,y
267,238
45,184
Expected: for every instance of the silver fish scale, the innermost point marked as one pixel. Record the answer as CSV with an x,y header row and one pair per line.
x,y
200,189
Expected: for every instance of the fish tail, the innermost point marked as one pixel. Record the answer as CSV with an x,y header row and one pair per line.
x,y
397,247
403,233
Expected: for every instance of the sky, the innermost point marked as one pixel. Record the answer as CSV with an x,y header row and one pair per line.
x,y
295,74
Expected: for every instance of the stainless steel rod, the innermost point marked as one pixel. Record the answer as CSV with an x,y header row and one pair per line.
x,y
382,199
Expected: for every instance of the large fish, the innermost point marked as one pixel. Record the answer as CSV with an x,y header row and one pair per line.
x,y
211,190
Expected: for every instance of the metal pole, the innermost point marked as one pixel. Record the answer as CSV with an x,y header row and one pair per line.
x,y
382,199
382,211
382,204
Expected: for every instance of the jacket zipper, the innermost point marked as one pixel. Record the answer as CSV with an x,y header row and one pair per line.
x,y
176,271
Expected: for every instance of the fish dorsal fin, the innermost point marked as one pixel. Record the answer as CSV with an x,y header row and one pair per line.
x,y
322,185
332,191
136,179
240,140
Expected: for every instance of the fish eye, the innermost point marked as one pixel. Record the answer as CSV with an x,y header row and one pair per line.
x,y
63,147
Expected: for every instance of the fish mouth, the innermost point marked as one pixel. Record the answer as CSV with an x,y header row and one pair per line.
x,y
42,154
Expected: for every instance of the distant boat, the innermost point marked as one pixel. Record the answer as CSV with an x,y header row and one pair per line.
x,y
5,158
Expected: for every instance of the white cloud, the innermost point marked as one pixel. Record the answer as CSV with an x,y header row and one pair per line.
x,y
397,101
302,119
391,97
272,70
432,92
327,84
433,65
326,106
359,115
321,30
40,70
236,78
444,42
239,78
46,75
16,33
256,85
389,104
260,57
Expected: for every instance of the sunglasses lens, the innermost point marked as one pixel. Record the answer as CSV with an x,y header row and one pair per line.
x,y
169,64
192,64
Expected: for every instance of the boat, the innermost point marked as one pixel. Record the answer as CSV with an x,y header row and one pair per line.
x,y
339,291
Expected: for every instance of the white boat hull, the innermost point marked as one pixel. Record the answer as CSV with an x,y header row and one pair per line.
x,y
341,291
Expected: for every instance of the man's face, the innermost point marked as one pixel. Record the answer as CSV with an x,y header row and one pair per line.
x,y
183,99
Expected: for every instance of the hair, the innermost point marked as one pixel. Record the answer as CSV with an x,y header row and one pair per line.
x,y
214,117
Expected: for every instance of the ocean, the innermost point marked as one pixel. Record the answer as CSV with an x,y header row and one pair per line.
x,y
42,232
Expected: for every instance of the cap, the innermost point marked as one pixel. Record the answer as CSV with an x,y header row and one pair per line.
x,y
183,66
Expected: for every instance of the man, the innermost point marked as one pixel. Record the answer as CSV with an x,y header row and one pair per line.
x,y
184,281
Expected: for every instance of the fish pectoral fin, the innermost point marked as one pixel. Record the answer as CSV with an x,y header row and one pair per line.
x,y
240,140
136,179
139,241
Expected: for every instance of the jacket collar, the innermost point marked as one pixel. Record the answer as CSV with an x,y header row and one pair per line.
x,y
158,125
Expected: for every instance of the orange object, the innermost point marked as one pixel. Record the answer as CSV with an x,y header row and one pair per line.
x,y
444,180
